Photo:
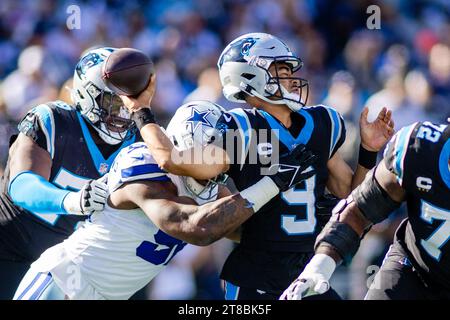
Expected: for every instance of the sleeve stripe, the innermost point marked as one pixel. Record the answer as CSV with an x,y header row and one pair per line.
x,y
147,177
401,146
47,122
336,128
244,127
143,169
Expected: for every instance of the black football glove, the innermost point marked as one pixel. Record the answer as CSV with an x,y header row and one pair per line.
x,y
290,169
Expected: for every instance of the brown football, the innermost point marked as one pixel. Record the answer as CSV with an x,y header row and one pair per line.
x,y
127,71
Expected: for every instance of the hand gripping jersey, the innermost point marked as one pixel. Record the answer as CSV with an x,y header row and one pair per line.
x,y
419,156
60,129
274,240
116,252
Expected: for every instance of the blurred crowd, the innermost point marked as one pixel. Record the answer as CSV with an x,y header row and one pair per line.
x,y
404,65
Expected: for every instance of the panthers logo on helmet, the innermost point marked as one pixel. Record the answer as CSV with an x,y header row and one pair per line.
x,y
238,50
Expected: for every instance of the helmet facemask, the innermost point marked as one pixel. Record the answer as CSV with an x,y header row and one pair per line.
x,y
274,91
100,106
109,116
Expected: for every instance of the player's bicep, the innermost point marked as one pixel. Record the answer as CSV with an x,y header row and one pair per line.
x,y
26,155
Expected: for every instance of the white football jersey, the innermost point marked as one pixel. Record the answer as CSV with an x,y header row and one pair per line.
x,y
119,251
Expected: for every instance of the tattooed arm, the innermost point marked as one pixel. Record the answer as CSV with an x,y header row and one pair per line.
x,y
180,217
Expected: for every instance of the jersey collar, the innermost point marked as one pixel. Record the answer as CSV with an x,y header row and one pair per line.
x,y
283,133
101,164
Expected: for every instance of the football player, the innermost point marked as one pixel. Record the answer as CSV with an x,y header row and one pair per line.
x,y
259,69
415,170
47,187
149,218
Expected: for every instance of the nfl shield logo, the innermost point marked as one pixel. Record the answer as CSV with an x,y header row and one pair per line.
x,y
103,168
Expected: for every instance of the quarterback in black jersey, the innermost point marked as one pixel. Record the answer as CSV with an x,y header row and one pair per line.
x,y
275,244
49,184
415,169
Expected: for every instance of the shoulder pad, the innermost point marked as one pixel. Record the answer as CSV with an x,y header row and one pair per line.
x,y
134,163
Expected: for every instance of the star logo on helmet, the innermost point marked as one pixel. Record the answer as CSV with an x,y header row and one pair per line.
x,y
198,118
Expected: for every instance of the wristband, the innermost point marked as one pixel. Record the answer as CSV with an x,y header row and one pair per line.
x,y
321,263
142,117
366,158
260,193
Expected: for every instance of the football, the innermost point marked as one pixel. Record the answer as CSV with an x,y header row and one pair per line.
x,y
127,71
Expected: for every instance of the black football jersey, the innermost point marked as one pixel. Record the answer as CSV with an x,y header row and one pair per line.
x,y
288,224
61,130
419,156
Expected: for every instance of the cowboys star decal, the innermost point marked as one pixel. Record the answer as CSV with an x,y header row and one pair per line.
x,y
198,118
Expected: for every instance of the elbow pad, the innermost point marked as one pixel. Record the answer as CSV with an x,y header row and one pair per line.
x,y
372,200
33,193
341,237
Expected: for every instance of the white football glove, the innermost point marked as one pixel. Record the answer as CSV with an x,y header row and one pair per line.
x,y
313,280
92,197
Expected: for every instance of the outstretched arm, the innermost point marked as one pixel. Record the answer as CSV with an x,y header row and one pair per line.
x,y
198,162
374,136
179,216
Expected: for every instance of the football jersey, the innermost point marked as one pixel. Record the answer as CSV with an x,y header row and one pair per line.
x,y
61,130
419,156
119,251
288,224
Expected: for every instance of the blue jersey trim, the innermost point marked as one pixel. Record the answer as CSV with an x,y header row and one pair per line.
x,y
336,127
47,122
401,147
443,163
231,291
244,128
96,155
142,169
285,136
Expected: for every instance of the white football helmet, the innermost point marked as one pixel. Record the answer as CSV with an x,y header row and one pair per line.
x,y
98,104
244,69
194,124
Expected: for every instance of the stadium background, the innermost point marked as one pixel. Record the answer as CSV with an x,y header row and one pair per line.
x,y
405,66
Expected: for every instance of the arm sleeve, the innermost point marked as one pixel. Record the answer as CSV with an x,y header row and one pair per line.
x,y
39,125
32,192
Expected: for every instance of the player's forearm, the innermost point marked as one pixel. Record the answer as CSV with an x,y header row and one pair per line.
x,y
160,147
358,176
217,219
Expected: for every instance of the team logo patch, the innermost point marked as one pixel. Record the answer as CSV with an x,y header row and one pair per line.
x,y
197,119
103,168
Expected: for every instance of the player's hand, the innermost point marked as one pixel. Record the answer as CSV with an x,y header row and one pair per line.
x,y
305,285
92,197
293,168
313,280
143,100
374,135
